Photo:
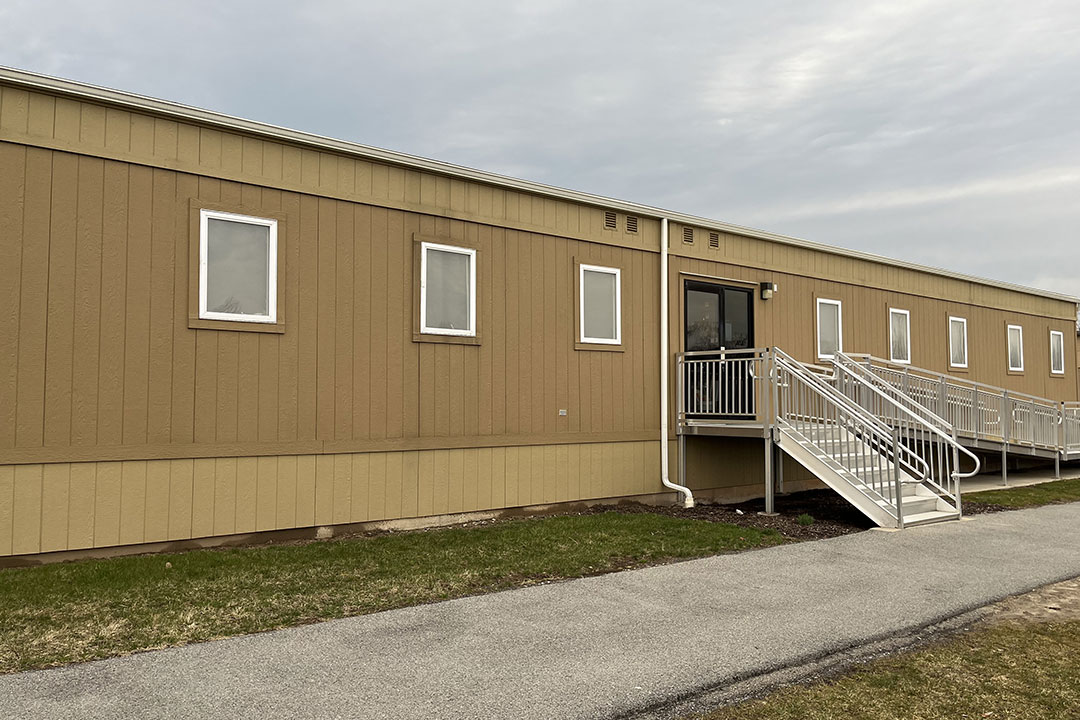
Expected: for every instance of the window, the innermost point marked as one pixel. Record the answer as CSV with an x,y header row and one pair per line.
x,y
899,335
600,314
447,290
958,342
237,267
830,329
1057,352
1016,348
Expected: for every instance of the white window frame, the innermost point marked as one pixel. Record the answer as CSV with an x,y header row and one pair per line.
x,y
205,216
1061,335
471,253
907,323
962,321
1008,347
582,269
839,326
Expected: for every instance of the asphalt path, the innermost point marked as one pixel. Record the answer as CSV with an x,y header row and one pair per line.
x,y
616,645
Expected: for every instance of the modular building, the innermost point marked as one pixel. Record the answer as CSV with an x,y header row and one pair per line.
x,y
212,328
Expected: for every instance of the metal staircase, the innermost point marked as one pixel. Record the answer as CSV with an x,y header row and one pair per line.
x,y
889,456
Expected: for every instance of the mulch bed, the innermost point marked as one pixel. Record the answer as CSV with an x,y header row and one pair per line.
x,y
832,515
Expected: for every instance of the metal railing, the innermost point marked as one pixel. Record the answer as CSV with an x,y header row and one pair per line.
x,y
925,432
721,385
837,426
979,411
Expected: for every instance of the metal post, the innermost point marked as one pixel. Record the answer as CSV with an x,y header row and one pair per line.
x,y
770,488
1006,427
682,459
896,479
779,468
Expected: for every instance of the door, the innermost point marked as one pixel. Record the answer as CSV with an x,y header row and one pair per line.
x,y
718,322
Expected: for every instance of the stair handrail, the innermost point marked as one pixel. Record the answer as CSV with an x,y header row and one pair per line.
x,y
916,466
897,399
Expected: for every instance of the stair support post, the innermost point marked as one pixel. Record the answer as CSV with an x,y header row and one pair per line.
x,y
1006,427
896,478
770,487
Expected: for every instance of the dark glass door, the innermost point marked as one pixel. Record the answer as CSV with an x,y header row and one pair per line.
x,y
719,319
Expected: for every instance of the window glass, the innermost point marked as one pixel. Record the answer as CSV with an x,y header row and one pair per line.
x,y
736,318
702,320
1057,352
899,336
828,322
599,304
237,267
1016,348
958,342
448,302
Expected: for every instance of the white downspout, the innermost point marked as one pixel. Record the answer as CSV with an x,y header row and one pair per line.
x,y
688,497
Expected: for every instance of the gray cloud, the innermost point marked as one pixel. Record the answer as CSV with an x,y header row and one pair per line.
x,y
941,132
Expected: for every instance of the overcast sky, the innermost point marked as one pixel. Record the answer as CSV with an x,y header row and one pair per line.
x,y
943,132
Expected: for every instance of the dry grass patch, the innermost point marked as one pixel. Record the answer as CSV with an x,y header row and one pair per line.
x,y
58,614
1022,664
1049,493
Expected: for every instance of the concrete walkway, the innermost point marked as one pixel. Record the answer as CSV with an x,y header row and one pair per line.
x,y
1019,478
597,647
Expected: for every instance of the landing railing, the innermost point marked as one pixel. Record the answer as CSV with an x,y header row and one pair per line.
x,y
984,412
721,386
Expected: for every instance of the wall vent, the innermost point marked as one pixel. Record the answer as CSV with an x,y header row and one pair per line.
x,y
609,220
631,224
714,240
688,235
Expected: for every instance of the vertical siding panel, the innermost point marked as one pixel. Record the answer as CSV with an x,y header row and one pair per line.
x,y
181,497
440,474
376,486
308,319
247,493
288,347
206,386
34,299
132,502
498,477
137,322
55,497
183,344
113,312
41,116
552,338
7,508
361,465
158,477
562,474
204,472
361,322
305,490
511,481
497,334
61,300
162,274
455,480
66,121
469,479
425,486
268,388
87,315
107,504
327,320
83,489
341,511
225,496
285,516
12,201
527,332
377,372
26,510
399,387
537,299
410,489
324,489
14,110
483,478
228,376
345,268
266,499
394,484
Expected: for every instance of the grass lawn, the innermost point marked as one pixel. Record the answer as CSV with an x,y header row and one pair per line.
x,y
1028,671
1057,491
56,614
